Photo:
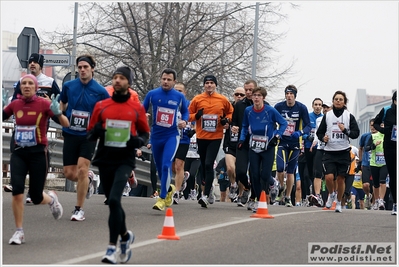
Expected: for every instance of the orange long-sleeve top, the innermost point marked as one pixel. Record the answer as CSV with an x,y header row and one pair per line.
x,y
215,105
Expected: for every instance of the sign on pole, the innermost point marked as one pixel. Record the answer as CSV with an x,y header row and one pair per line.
x,y
27,43
57,60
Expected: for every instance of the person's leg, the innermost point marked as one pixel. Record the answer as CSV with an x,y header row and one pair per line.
x,y
153,176
390,154
291,167
255,166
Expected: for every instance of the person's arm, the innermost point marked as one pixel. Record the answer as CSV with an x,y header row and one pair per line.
x,y
378,121
321,131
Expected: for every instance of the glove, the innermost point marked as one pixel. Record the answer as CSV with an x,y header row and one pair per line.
x,y
96,132
135,142
55,105
310,138
296,134
358,167
199,114
191,133
223,120
273,141
239,145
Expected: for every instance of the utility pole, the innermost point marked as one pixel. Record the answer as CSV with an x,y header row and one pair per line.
x,y
255,46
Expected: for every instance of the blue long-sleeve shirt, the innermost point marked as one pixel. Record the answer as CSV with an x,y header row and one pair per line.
x,y
297,118
262,123
312,117
165,107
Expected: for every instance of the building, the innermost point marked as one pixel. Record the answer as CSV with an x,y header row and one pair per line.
x,y
367,107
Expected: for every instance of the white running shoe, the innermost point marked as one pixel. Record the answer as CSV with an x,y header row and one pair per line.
x,y
338,207
126,190
125,252
90,189
330,200
17,239
78,215
56,207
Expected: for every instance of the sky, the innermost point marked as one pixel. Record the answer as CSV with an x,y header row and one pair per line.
x,y
336,45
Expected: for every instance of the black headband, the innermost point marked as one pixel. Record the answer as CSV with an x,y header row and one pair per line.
x,y
88,60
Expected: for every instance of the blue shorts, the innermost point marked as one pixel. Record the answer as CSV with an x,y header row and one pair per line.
x,y
358,192
223,184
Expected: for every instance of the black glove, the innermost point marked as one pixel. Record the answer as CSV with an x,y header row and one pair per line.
x,y
199,114
135,142
191,133
273,141
358,167
96,132
239,145
223,120
310,138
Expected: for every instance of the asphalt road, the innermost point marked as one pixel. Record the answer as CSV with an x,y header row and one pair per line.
x,y
221,234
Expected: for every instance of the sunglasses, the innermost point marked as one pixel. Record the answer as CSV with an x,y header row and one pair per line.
x,y
239,94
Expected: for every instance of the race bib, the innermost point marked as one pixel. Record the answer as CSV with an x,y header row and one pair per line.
x,y
357,177
165,117
79,120
233,136
25,136
336,134
117,134
393,135
290,128
209,122
379,158
259,143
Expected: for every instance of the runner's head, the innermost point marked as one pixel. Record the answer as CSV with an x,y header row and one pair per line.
x,y
210,83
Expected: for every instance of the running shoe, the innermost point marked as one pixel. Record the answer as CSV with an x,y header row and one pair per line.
x,y
211,198
250,204
255,207
330,200
7,188
233,192
319,200
245,196
203,201
159,205
125,252
18,238
126,190
90,189
133,180
288,202
28,199
381,205
281,192
349,205
56,207
298,204
155,195
338,207
110,255
176,198
78,215
273,193
367,200
239,202
193,194
169,196
393,212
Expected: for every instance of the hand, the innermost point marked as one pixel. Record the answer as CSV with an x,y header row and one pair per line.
x,y
223,120
55,105
96,132
310,138
190,133
296,134
135,142
273,141
239,145
199,114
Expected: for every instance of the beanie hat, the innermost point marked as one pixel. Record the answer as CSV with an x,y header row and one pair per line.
x,y
394,96
291,89
36,58
33,77
210,77
125,71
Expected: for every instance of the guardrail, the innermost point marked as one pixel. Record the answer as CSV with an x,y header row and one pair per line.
x,y
56,144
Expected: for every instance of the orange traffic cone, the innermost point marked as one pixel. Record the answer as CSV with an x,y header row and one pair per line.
x,y
262,211
332,206
168,231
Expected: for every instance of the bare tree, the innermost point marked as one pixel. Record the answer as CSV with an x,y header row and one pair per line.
x,y
193,38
